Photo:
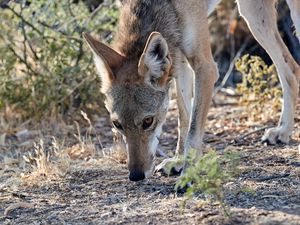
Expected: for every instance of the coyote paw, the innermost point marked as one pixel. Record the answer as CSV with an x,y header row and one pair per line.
x,y
182,190
170,166
276,135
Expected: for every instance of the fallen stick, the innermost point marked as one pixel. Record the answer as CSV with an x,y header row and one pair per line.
x,y
272,177
16,206
237,139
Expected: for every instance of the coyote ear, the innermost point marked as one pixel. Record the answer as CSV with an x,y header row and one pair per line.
x,y
155,62
106,60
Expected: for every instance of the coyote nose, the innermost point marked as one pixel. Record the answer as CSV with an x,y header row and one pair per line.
x,y
136,176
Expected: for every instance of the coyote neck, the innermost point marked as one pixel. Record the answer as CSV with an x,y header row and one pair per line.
x,y
139,18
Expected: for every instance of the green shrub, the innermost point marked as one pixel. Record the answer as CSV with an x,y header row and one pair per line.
x,y
260,87
44,66
209,174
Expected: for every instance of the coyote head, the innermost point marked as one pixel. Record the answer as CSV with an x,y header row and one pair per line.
x,y
136,90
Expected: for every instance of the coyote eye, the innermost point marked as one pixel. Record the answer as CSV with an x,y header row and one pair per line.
x,y
147,122
117,125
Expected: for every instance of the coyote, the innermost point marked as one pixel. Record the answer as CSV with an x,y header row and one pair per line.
x,y
158,40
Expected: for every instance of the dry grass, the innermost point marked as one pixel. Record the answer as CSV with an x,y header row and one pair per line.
x,y
46,164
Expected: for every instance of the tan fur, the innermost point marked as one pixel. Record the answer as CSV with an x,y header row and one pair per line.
x,y
162,39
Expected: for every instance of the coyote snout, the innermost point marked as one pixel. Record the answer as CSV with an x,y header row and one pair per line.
x,y
141,155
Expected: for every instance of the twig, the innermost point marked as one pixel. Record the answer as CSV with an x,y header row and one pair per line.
x,y
272,177
59,31
80,54
251,132
231,66
25,21
28,66
24,43
70,9
94,13
18,205
28,42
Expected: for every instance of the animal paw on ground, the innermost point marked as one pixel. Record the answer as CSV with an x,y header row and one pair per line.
x,y
275,136
170,166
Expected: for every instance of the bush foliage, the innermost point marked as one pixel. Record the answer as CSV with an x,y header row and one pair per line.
x,y
44,66
260,87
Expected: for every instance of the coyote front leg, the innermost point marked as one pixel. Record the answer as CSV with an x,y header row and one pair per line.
x,y
198,52
184,88
205,78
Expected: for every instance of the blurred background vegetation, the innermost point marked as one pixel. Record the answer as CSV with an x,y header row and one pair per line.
x,y
46,71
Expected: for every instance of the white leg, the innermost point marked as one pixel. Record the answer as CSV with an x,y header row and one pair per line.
x,y
184,87
261,19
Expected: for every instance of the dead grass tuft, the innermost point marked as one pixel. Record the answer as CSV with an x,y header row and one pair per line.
x,y
45,163
83,151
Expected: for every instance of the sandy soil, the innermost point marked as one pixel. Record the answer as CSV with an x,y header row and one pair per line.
x,y
96,190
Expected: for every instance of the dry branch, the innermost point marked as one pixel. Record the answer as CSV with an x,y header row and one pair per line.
x,y
16,206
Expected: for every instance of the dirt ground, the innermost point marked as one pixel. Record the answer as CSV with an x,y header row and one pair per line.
x,y
93,188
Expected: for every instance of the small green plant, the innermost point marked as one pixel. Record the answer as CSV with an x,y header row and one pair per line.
x,y
260,87
208,175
